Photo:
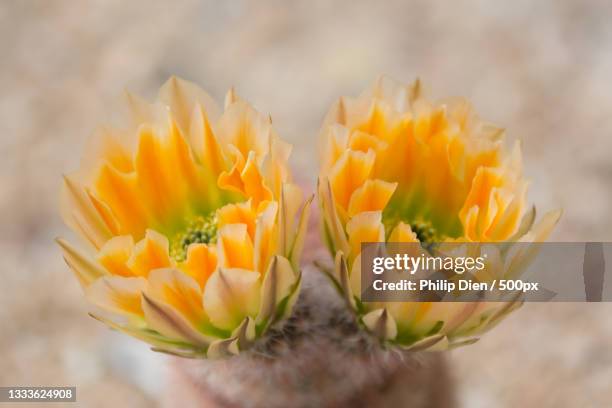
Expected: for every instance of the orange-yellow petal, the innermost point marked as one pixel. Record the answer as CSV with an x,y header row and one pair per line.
x,y
477,212
364,227
115,253
402,233
234,247
361,141
204,141
86,269
170,323
153,175
118,294
240,213
178,290
81,213
265,242
507,224
231,295
201,262
150,253
244,128
373,195
105,213
334,143
274,166
120,192
254,185
181,96
334,234
232,179
349,173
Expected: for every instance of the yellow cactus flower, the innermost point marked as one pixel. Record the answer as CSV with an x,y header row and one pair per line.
x,y
194,230
397,167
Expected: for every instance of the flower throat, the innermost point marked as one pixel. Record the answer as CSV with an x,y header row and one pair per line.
x,y
200,230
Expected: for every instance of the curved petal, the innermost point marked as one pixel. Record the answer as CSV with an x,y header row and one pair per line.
x,y
290,202
81,213
118,295
181,96
120,192
300,234
140,111
254,184
381,324
274,166
153,178
204,142
115,253
544,227
150,253
350,171
402,233
342,272
364,227
86,269
373,195
232,179
354,280
265,244
240,213
231,295
245,128
278,282
201,262
334,234
170,323
334,143
362,141
234,247
180,292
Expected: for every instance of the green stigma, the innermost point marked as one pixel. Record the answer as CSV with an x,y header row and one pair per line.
x,y
200,230
424,230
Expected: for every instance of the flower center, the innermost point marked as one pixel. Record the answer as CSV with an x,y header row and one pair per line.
x,y
200,230
425,231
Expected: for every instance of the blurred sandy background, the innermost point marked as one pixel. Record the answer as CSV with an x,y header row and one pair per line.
x,y
542,70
